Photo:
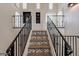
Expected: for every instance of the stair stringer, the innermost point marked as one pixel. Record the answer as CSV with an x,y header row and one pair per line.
x,y
27,45
51,45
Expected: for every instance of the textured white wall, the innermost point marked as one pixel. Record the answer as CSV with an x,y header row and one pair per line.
x,y
7,33
44,8
71,21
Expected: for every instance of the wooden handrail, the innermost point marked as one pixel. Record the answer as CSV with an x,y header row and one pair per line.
x,y
15,38
21,36
66,43
59,32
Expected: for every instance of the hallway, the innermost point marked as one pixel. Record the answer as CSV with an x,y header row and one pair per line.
x,y
39,29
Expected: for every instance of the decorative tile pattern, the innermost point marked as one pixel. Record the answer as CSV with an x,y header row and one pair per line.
x,y
39,44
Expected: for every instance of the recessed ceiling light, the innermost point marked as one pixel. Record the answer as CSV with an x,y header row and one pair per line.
x,y
50,6
38,5
71,4
24,5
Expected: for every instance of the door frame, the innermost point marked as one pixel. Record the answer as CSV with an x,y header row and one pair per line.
x,y
25,14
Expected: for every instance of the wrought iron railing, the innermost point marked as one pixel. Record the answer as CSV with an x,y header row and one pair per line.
x,y
19,21
17,46
58,20
61,46
73,42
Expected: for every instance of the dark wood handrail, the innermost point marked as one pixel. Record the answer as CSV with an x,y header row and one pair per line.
x,y
15,38
59,32
66,43
73,41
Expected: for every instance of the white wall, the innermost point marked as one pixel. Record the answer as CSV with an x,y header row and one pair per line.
x,y
71,21
7,33
42,25
43,10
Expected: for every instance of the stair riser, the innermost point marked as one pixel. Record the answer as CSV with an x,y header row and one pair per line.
x,y
39,44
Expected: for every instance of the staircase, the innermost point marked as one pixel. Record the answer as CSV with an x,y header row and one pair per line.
x,y
39,44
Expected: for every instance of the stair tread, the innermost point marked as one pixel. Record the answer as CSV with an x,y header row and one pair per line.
x,y
40,40
40,35
37,46
41,54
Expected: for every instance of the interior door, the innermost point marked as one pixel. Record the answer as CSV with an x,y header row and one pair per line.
x,y
26,17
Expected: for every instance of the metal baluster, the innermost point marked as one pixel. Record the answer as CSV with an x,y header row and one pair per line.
x,y
12,50
62,47
70,40
24,38
73,45
57,44
16,47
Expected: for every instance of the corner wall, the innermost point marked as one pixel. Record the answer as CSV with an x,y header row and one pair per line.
x,y
7,33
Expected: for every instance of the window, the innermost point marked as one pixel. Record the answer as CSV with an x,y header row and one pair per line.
x,y
37,17
38,5
18,20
